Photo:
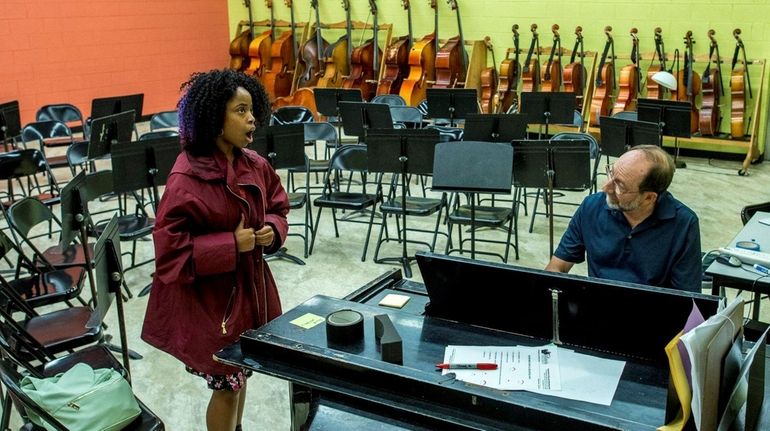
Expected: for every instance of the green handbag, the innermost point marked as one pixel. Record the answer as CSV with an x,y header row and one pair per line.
x,y
83,399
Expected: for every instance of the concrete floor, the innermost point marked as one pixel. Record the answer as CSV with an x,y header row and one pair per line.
x,y
710,187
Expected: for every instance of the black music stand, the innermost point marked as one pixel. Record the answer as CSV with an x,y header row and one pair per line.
x,y
535,164
10,123
75,223
473,167
548,108
144,164
327,102
452,103
672,116
107,131
495,127
105,106
404,152
360,117
284,147
618,135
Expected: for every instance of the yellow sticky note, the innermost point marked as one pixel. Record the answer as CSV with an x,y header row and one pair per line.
x,y
307,320
393,300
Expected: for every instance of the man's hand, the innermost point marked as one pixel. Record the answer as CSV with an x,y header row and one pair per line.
x,y
245,238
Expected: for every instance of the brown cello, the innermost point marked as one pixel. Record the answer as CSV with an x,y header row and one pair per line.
x,y
397,59
311,60
655,90
278,79
574,75
688,82
710,116
239,46
510,70
451,59
551,81
338,55
601,102
628,84
259,48
488,83
422,60
530,75
364,62
739,82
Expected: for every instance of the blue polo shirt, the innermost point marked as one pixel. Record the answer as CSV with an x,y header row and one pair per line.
x,y
663,250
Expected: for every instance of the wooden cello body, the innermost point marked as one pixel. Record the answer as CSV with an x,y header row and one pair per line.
x,y
530,76
739,82
363,63
239,46
551,78
422,65
259,49
508,83
311,53
688,84
628,84
397,60
451,62
574,75
278,79
488,83
337,57
601,102
710,117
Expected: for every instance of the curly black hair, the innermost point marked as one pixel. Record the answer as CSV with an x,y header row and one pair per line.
x,y
203,102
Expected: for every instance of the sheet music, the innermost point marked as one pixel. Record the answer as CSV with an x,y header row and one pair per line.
x,y
547,370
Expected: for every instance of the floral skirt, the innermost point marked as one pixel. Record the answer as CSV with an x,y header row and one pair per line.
x,y
228,382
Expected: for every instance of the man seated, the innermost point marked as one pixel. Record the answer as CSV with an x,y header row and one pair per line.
x,y
634,230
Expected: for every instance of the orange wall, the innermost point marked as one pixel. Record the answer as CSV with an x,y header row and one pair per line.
x,y
56,51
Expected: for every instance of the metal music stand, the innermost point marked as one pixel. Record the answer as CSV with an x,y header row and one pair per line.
x,y
327,102
105,106
10,123
619,135
284,147
75,223
405,152
144,164
495,127
107,131
672,116
473,167
452,103
360,117
536,163
548,108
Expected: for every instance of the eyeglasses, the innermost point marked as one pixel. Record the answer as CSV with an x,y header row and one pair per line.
x,y
619,188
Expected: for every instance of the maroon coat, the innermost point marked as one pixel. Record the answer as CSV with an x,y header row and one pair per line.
x,y
204,293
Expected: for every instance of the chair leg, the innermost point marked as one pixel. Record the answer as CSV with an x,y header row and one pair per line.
x,y
315,229
368,234
379,239
534,211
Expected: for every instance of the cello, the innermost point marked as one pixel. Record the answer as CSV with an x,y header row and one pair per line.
x,y
278,79
239,46
397,59
605,81
509,77
688,83
551,81
422,60
451,59
311,59
338,55
628,85
574,75
488,82
259,48
655,90
710,116
739,82
364,62
531,73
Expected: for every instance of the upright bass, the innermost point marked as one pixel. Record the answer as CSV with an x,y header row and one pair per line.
x,y
655,90
259,48
422,61
629,80
397,59
239,46
510,71
451,59
710,115
551,81
739,82
338,55
574,75
688,82
283,51
604,86
311,54
531,73
488,82
364,62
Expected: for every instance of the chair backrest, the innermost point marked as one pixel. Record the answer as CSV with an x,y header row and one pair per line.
x,y
349,158
22,163
423,107
64,112
158,134
11,380
164,120
408,115
291,115
626,115
389,99
473,166
322,131
40,130
448,134
593,143
27,213
748,211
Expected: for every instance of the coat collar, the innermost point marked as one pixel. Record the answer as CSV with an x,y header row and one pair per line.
x,y
216,167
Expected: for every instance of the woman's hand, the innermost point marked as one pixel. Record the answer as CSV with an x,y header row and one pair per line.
x,y
264,236
245,238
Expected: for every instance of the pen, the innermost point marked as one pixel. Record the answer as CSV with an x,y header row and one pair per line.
x,y
762,269
468,366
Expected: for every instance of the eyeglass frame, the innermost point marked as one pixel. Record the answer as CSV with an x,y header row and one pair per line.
x,y
610,178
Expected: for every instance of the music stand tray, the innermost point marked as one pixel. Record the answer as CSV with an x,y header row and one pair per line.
x,y
109,130
452,103
328,99
495,127
674,115
618,135
358,117
10,121
282,145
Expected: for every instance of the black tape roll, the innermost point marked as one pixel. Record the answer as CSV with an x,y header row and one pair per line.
x,y
344,326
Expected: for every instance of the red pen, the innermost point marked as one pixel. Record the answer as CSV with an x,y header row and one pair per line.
x,y
468,366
